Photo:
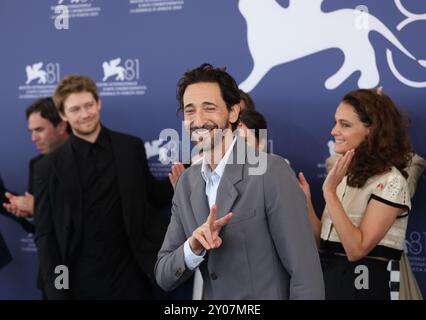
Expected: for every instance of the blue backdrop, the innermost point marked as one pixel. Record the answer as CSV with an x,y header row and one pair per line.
x,y
296,58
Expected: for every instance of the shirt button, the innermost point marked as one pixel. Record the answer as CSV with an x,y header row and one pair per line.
x,y
213,276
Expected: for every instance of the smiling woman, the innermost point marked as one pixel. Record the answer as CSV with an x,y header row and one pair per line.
x,y
363,225
386,142
349,130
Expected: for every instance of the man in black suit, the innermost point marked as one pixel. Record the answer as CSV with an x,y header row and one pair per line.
x,y
48,132
96,205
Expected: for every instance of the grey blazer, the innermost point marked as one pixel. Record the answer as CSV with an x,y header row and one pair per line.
x,y
268,249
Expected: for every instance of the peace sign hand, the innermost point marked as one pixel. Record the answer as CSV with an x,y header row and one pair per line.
x,y
206,236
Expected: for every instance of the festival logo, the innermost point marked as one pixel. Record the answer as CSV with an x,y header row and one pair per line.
x,y
278,35
121,77
40,80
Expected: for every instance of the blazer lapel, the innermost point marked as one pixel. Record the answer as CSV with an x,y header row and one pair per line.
x,y
199,202
227,193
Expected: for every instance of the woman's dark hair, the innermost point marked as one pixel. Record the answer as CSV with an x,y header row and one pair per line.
x,y
386,145
248,101
253,120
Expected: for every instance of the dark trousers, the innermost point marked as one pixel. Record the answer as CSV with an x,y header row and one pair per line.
x,y
366,279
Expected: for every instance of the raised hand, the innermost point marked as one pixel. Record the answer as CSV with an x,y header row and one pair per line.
x,y
177,169
206,236
304,185
338,171
20,206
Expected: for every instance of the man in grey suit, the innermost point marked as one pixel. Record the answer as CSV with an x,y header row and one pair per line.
x,y
264,248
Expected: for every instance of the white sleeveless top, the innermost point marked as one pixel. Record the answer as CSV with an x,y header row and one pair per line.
x,y
390,188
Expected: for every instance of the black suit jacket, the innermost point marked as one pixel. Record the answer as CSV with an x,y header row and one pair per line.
x,y
5,256
58,207
32,164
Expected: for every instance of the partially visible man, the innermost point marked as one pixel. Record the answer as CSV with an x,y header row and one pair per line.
x,y
5,256
95,205
48,132
249,233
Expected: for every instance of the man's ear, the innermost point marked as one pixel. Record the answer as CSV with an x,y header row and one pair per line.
x,y
63,117
62,126
234,113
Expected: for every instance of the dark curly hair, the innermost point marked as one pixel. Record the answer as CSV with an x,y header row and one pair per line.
x,y
207,73
387,144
